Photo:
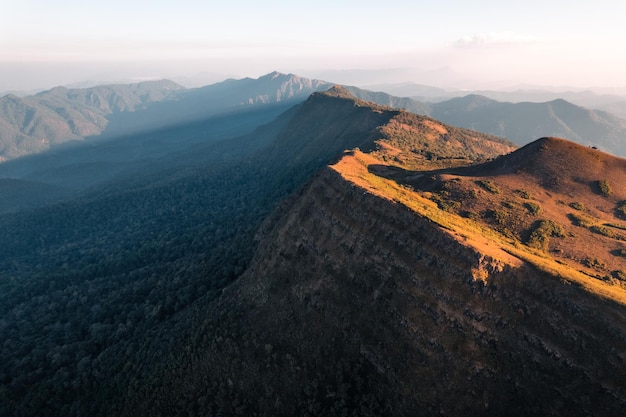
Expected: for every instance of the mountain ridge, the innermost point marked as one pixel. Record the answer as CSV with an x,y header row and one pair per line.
x,y
398,292
137,265
98,112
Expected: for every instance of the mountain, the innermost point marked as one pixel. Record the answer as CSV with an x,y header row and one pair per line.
x,y
610,100
35,123
419,92
521,122
518,122
385,99
344,258
370,295
132,140
32,124
616,107
576,188
277,90
102,290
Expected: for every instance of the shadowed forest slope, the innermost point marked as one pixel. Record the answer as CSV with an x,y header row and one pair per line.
x,y
101,290
366,297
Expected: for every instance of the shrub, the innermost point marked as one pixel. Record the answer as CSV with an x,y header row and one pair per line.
x,y
593,263
445,203
581,220
577,206
508,204
621,210
541,233
489,186
604,188
470,215
524,194
604,231
619,274
498,215
533,208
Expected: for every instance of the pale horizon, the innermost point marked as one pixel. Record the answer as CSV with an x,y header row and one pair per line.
x,y
451,44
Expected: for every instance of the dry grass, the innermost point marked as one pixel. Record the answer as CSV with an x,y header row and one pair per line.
x,y
355,167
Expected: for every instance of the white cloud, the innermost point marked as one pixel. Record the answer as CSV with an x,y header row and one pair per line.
x,y
491,39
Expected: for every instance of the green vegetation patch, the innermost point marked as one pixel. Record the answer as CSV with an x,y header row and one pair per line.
x,y
532,207
541,233
604,188
593,263
619,275
605,231
620,211
469,214
489,186
577,206
523,193
444,202
582,220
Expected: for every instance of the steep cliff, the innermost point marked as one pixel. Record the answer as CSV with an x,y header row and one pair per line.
x,y
366,299
445,327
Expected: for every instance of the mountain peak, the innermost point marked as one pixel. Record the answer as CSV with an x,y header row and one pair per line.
x,y
552,158
276,75
339,91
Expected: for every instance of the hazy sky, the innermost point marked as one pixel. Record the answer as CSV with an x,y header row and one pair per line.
x,y
466,44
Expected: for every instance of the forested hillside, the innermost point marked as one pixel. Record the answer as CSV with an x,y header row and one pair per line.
x,y
99,290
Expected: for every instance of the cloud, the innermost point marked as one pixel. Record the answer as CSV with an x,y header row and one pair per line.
x,y
491,39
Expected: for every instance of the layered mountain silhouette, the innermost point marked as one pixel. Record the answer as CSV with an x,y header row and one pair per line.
x,y
35,123
341,258
32,124
158,126
519,122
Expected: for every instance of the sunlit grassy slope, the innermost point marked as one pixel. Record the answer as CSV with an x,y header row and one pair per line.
x,y
359,168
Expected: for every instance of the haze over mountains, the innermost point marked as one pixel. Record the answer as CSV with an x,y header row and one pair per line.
x,y
608,100
264,248
32,124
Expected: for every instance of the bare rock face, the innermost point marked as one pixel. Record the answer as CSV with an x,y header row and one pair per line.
x,y
352,282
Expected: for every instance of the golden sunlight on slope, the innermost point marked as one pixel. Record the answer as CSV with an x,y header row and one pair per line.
x,y
367,172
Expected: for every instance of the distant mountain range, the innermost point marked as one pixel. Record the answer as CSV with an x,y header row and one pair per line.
x,y
35,123
614,102
524,122
519,122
